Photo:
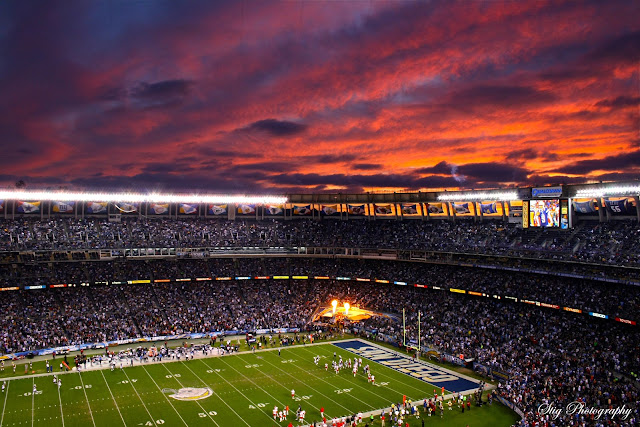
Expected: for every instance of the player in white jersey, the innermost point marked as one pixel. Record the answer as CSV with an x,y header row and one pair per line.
x,y
3,386
326,366
275,412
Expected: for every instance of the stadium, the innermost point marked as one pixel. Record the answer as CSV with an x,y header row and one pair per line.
x,y
295,213
149,309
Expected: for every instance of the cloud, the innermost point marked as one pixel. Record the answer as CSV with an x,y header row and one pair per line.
x,y
277,127
614,163
244,94
162,90
366,166
329,158
508,96
441,168
621,101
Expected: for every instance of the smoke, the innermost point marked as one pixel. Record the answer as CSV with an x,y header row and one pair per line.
x,y
456,176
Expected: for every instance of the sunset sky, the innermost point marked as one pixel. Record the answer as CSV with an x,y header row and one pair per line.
x,y
314,96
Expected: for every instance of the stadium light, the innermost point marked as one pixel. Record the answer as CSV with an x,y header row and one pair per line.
x,y
346,308
504,196
628,190
139,197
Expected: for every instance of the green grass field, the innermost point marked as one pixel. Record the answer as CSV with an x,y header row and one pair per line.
x,y
245,388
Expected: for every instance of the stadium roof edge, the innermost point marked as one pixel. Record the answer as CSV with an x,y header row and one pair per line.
x,y
623,188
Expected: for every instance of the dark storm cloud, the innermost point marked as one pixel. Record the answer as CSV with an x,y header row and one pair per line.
x,y
615,163
277,127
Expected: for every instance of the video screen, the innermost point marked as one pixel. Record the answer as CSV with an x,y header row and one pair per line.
x,y
544,213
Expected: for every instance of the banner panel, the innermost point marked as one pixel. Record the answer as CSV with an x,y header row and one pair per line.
x,y
302,210
217,210
246,209
329,210
274,210
28,207
188,208
63,207
356,210
96,207
159,208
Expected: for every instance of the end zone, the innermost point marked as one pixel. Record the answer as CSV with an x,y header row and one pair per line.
x,y
425,371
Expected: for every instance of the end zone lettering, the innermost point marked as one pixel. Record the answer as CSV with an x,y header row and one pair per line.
x,y
415,368
407,366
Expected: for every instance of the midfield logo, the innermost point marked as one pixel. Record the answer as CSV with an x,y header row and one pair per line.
x,y
189,393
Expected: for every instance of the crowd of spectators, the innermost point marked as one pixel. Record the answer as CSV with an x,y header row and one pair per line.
x,y
548,355
615,242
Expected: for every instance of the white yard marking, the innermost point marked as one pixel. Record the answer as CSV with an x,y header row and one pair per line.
x,y
33,397
86,397
175,377
165,396
112,397
138,394
60,400
5,402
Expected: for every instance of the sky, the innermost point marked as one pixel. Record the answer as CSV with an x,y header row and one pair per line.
x,y
292,96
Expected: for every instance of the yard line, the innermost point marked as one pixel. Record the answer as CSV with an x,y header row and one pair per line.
x,y
282,370
141,401
201,407
222,360
165,396
231,384
381,375
5,402
33,398
112,397
60,400
86,397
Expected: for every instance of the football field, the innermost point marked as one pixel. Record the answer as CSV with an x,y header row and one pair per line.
x,y
232,390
